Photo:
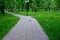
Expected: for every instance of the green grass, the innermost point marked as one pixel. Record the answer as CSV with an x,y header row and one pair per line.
x,y
21,13
6,23
50,21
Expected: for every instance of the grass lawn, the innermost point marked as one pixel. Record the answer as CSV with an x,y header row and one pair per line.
x,y
6,23
50,21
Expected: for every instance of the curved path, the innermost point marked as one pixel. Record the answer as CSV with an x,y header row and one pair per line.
x,y
27,28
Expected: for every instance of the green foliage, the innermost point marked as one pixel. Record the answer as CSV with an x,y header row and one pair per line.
x,y
34,4
58,4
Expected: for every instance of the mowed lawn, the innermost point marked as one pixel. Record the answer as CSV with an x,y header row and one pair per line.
x,y
50,22
6,23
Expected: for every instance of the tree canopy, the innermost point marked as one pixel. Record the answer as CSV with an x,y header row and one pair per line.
x,y
34,5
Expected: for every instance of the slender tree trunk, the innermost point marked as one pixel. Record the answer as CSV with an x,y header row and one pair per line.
x,y
22,7
15,6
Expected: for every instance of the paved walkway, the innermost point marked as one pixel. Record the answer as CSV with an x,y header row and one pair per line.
x,y
26,29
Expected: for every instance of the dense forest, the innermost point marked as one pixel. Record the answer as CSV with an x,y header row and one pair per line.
x,y
31,5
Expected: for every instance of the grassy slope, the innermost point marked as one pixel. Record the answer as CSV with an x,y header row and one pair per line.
x,y
6,23
50,22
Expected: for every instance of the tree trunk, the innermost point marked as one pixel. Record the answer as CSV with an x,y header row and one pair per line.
x,y
2,7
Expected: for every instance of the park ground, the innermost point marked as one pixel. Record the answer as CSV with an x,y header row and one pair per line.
x,y
49,20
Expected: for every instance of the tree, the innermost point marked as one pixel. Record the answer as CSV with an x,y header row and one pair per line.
x,y
2,7
34,5
58,4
